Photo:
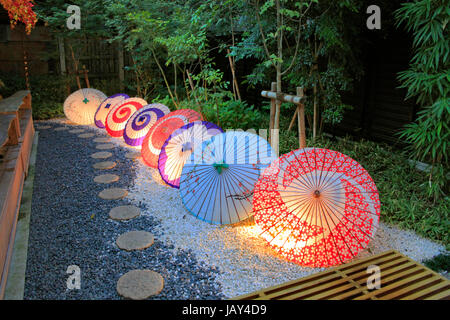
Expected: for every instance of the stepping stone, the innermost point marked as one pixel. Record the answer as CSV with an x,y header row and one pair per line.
x,y
113,194
102,140
104,165
133,155
101,155
61,128
86,135
135,240
77,131
105,146
124,212
106,178
140,284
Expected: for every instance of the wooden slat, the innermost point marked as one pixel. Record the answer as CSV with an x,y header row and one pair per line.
x,y
434,288
401,277
308,284
421,285
439,296
396,284
317,289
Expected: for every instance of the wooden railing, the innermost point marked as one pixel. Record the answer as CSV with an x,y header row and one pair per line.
x,y
16,139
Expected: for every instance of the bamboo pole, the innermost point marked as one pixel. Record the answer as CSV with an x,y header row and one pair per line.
x,y
293,119
272,108
301,120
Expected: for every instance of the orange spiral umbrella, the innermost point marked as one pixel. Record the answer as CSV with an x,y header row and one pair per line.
x,y
316,207
118,116
161,131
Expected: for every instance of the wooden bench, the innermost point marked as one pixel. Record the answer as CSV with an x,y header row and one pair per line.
x,y
16,139
401,278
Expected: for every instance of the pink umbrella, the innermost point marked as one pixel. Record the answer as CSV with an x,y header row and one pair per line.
x,y
179,147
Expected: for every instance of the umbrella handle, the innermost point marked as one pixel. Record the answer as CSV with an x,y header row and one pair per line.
x,y
220,166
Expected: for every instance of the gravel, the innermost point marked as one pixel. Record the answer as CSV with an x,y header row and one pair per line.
x,y
197,260
70,226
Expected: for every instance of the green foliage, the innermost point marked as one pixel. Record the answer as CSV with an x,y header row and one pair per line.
x,y
326,56
428,81
439,263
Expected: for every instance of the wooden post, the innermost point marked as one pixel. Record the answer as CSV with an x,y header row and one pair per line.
x,y
273,88
301,120
62,56
279,97
86,79
293,119
121,66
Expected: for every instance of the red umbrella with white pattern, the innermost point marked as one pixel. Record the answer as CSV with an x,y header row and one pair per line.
x,y
316,207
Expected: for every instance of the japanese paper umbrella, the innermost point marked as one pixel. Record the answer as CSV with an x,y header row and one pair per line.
x,y
119,114
217,182
317,207
179,147
81,105
161,130
105,106
140,123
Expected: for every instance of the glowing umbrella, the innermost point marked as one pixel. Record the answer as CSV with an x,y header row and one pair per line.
x,y
317,207
217,182
106,106
119,114
81,105
161,130
140,123
179,147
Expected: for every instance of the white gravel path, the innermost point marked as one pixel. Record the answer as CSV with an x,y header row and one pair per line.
x,y
246,262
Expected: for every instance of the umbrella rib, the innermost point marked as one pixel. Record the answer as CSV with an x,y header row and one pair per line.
x,y
323,240
301,164
335,228
209,200
370,212
223,174
299,220
234,205
279,218
230,172
307,182
198,198
327,171
349,230
344,172
328,204
310,210
323,166
332,237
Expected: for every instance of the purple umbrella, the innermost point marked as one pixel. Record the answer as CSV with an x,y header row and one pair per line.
x,y
104,108
179,146
140,123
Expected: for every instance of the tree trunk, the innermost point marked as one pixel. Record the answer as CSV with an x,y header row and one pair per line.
x,y
165,79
